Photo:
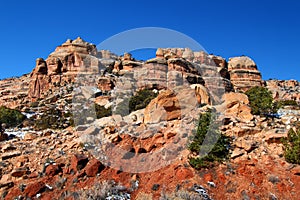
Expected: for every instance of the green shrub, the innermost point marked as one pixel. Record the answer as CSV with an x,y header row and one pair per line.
x,y
55,119
11,117
208,131
288,103
101,111
292,147
141,99
261,101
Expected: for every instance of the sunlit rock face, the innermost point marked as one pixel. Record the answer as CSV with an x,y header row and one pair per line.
x,y
171,67
62,66
243,73
284,89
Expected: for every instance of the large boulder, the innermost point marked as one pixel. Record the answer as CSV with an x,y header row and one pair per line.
x,y
163,108
236,106
170,105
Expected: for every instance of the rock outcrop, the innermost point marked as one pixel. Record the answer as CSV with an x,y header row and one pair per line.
x,y
165,107
237,106
284,90
14,91
62,67
243,73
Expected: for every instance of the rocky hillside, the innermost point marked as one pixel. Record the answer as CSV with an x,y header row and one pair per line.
x,y
103,126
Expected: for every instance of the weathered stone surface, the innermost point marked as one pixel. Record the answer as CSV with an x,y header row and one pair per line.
x,y
170,105
237,153
62,66
78,162
246,143
235,97
202,94
8,147
236,106
275,137
163,108
9,155
19,172
151,75
284,90
52,170
30,136
245,130
296,170
6,185
93,167
14,91
243,73
34,188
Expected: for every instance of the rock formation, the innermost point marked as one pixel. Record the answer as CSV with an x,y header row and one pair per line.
x,y
62,67
14,92
171,104
243,73
284,90
171,67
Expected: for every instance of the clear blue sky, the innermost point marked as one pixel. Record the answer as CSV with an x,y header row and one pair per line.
x,y
267,31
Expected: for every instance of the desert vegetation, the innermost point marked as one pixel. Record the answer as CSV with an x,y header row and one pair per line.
x,y
216,144
292,146
11,117
261,101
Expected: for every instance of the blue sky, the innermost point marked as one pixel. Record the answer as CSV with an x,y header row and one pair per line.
x,y
267,31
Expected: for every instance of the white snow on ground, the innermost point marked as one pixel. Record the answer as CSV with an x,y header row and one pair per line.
x,y
28,115
19,133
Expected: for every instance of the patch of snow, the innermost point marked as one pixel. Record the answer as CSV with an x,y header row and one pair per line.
x,y
28,115
19,133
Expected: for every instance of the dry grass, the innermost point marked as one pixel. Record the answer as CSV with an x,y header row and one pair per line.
x,y
181,195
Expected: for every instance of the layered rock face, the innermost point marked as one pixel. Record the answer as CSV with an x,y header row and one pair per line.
x,y
170,68
62,67
243,73
284,90
184,67
14,91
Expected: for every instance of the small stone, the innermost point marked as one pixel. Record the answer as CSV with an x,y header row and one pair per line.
x,y
78,162
9,155
296,170
52,170
34,188
8,147
19,172
237,152
7,185
93,168
30,136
